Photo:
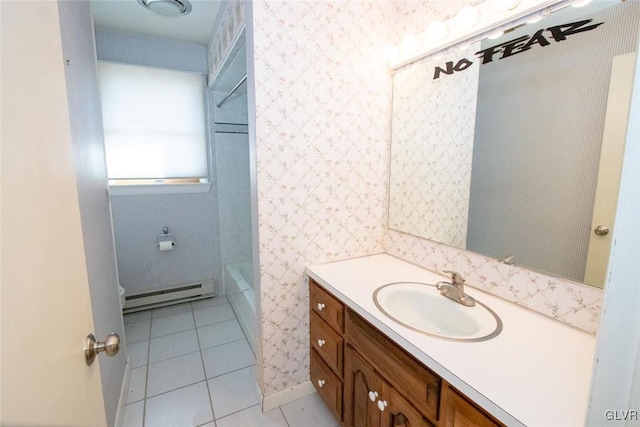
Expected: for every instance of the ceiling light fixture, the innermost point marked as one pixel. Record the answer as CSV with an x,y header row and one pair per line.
x,y
472,24
391,53
167,7
505,4
410,44
437,31
468,17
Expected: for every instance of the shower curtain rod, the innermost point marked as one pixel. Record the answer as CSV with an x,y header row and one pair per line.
x,y
242,80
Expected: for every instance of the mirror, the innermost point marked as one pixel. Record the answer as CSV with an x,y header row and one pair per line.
x,y
513,147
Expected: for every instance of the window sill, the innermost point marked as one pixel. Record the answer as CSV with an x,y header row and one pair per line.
x,y
150,189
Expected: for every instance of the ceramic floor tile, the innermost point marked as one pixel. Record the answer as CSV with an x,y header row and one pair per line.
x,y
139,316
209,302
168,346
138,353
133,415
234,392
219,333
171,310
173,373
171,324
308,411
226,358
137,384
188,406
167,339
137,331
215,314
254,417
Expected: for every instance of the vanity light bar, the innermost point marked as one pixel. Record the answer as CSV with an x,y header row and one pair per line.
x,y
492,21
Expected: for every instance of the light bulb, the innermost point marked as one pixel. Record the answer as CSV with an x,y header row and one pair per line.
x,y
391,53
581,3
468,17
437,31
410,44
505,4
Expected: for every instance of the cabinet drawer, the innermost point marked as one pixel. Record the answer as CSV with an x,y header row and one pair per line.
x,y
326,306
329,386
327,342
420,386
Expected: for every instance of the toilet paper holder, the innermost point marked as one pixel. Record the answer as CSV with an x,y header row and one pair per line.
x,y
166,237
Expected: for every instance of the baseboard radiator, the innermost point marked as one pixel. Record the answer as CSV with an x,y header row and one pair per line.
x,y
169,296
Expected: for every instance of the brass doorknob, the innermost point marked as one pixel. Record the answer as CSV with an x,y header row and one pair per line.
x,y
601,230
92,347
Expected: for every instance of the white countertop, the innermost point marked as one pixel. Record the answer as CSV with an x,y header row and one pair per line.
x,y
537,372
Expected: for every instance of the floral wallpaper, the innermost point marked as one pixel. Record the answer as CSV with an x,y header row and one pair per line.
x,y
322,147
322,130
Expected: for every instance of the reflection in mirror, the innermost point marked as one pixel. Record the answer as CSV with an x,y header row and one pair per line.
x,y
519,155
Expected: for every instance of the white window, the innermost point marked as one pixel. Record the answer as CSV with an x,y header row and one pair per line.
x,y
154,124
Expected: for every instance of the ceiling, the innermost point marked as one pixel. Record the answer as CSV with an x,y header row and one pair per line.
x,y
129,15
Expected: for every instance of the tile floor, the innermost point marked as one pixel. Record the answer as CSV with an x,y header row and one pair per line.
x,y
192,366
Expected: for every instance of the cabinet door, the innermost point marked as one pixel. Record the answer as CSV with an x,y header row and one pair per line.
x,y
363,387
419,385
399,412
459,412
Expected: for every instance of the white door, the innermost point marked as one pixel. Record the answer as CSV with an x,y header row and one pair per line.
x,y
45,308
611,155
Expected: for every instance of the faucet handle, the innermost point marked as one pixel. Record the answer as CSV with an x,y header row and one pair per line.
x,y
456,278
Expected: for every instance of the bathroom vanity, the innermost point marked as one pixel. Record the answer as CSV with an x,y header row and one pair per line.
x,y
371,370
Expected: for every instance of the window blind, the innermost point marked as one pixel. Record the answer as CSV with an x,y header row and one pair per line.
x,y
154,122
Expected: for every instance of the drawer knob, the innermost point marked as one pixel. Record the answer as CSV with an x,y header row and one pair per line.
x,y
321,343
382,404
321,383
321,306
373,395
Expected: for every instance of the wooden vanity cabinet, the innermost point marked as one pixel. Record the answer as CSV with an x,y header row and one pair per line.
x,y
327,343
408,393
363,388
371,401
327,347
367,380
328,384
460,412
326,306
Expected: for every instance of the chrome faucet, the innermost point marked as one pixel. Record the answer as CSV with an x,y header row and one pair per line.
x,y
454,290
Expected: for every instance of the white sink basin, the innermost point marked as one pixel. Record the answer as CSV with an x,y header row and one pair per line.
x,y
419,306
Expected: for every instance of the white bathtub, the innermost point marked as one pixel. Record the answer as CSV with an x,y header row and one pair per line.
x,y
238,281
